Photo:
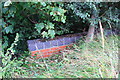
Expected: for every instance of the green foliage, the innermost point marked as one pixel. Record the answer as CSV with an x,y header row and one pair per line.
x,y
39,27
10,67
49,26
106,12
32,14
51,33
30,20
9,29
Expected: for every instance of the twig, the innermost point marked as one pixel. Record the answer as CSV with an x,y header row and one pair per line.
x,y
111,28
32,20
37,12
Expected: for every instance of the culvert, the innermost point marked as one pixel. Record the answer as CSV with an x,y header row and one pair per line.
x,y
40,48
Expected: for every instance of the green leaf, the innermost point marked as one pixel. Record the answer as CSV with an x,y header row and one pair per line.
x,y
56,18
12,9
49,25
5,44
51,33
63,20
7,3
61,10
44,34
51,13
39,27
4,10
9,29
55,8
43,3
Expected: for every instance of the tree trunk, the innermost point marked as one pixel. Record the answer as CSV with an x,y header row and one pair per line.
x,y
90,33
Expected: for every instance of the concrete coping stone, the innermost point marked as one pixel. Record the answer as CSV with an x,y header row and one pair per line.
x,y
38,44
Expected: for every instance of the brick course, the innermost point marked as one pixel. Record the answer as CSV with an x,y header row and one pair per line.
x,y
47,48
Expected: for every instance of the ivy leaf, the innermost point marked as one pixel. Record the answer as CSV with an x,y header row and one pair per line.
x,y
49,25
44,34
7,3
39,27
51,33
43,3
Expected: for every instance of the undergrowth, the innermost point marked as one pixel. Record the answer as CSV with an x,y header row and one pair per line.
x,y
84,60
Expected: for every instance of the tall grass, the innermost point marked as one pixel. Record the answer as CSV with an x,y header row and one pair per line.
x,y
84,60
94,62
